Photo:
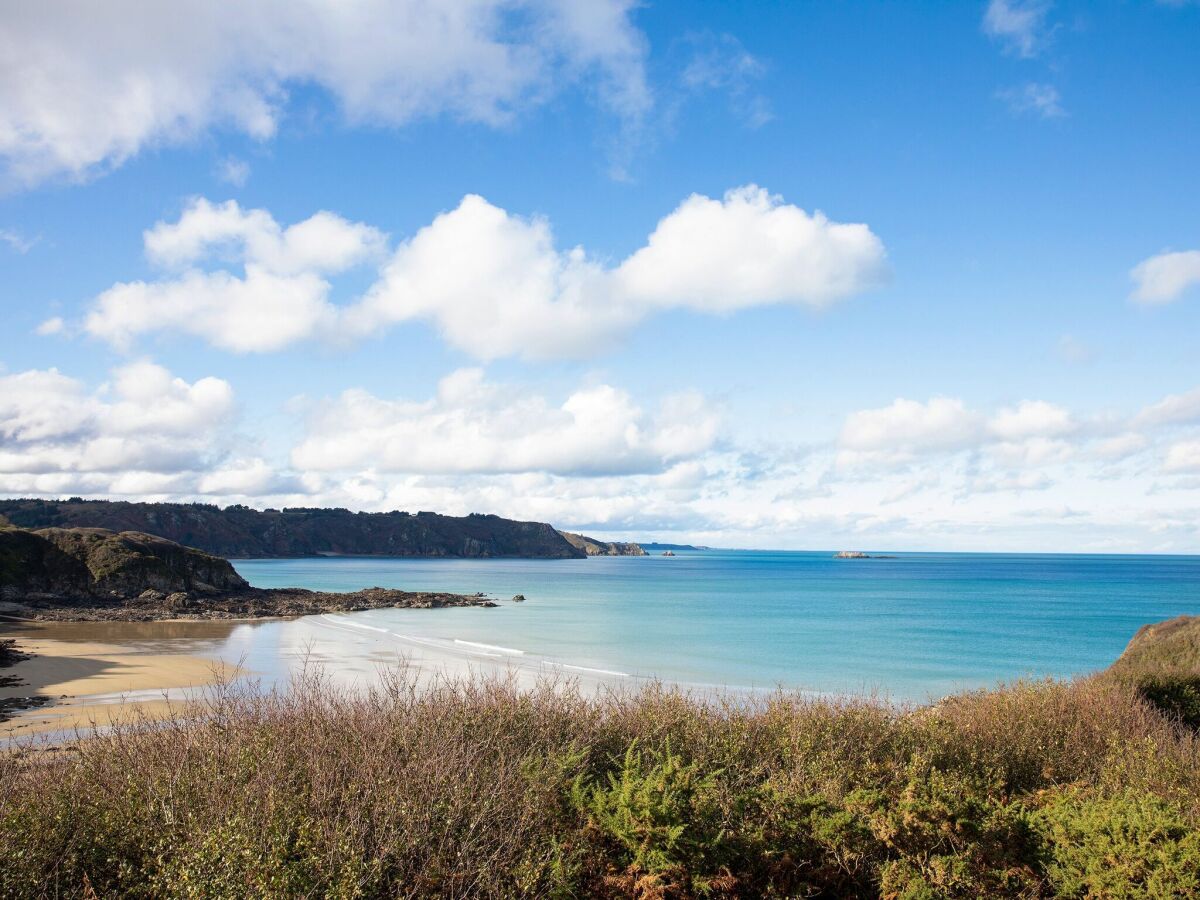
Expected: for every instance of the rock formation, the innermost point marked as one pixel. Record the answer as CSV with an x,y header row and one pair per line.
x,y
593,547
96,564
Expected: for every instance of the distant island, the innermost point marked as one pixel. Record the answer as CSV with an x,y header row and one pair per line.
x,y
655,546
858,554
239,532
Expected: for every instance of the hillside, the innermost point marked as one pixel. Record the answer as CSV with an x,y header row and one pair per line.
x,y
91,563
1163,648
242,532
593,547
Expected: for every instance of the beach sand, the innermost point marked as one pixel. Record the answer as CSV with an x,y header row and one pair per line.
x,y
97,672
100,672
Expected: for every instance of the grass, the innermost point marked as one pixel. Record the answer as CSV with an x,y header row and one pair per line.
x,y
477,789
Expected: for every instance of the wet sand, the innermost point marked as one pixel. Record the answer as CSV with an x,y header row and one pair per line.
x,y
97,672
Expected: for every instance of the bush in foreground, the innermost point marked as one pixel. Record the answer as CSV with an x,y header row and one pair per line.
x,y
477,789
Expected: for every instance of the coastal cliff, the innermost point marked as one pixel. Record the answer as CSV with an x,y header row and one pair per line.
x,y
594,547
84,574
242,532
94,563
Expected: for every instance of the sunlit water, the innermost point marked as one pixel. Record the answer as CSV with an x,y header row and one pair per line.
x,y
917,626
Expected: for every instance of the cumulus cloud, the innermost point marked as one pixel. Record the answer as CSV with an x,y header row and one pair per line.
x,y
143,420
474,426
85,86
1031,419
494,284
1020,25
1031,433
1165,277
909,426
281,295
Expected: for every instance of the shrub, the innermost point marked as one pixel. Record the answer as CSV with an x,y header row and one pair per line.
x,y
1118,847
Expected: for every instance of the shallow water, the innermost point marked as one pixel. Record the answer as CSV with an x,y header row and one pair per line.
x,y
913,627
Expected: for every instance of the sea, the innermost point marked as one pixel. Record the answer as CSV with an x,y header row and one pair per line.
x,y
911,628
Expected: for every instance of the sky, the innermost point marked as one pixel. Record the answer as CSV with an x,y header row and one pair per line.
x,y
818,275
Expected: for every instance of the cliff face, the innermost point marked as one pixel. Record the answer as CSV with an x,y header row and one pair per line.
x,y
93,563
594,547
238,531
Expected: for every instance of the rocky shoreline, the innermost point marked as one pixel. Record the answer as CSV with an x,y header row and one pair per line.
x,y
10,655
248,603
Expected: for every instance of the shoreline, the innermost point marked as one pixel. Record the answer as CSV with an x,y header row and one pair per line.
x,y
94,673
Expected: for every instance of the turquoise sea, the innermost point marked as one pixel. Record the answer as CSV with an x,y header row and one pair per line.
x,y
918,626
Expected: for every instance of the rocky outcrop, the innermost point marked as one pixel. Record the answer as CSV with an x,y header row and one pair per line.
x,y
247,603
95,574
242,532
594,547
94,564
857,554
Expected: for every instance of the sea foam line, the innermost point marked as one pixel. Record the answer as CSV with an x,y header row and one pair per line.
x,y
490,647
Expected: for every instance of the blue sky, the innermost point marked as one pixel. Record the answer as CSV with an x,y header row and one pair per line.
x,y
898,276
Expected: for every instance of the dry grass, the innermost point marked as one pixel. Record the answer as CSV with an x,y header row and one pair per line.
x,y
477,789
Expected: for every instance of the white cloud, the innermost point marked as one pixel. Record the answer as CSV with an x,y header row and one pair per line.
x,y
747,250
1031,419
1163,278
322,243
1020,25
1171,410
1183,457
281,297
53,325
1032,97
142,420
908,426
473,426
719,62
16,240
1121,446
85,86
492,283
234,171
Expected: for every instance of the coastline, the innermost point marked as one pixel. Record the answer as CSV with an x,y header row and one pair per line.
x,y
94,673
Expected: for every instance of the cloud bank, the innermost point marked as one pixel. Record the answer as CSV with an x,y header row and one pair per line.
x,y
492,283
85,86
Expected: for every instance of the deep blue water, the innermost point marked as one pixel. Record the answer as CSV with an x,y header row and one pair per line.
x,y
917,626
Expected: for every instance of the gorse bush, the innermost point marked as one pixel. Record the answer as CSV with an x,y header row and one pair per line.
x,y
477,789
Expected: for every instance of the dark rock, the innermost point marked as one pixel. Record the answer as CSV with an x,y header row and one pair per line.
x,y
93,564
518,598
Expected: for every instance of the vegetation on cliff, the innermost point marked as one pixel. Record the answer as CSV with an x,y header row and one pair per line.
x,y
97,564
94,574
595,547
242,532
476,789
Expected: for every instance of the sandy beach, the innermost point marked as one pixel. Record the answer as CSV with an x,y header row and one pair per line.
x,y
99,672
